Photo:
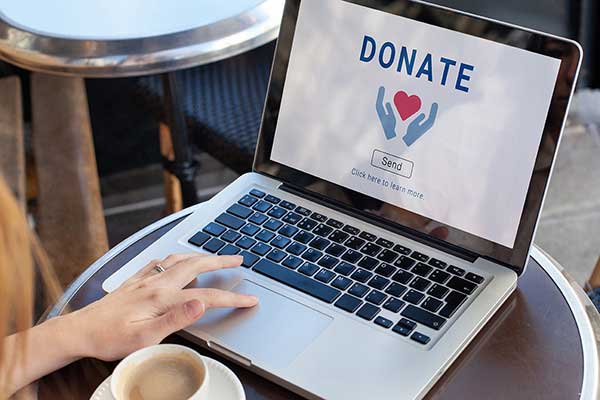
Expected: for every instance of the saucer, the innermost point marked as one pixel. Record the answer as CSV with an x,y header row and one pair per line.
x,y
224,384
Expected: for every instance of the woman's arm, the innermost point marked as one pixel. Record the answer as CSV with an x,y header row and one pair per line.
x,y
142,312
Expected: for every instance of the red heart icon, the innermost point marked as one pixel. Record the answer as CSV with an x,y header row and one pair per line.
x,y
406,105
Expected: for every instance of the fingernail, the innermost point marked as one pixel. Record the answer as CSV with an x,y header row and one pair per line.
x,y
194,309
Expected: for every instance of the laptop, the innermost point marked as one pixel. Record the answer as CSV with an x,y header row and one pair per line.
x,y
404,154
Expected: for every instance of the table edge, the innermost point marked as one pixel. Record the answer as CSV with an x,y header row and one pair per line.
x,y
584,312
586,317
72,57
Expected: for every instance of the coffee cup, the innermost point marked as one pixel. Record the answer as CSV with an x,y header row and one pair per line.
x,y
164,371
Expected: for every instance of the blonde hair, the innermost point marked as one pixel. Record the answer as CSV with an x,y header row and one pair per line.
x,y
20,254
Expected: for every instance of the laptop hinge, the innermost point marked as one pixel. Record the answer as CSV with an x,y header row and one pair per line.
x,y
382,223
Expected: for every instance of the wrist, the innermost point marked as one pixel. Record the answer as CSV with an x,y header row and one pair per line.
x,y
69,333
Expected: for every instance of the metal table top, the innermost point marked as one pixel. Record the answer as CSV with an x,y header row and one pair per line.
x,y
115,38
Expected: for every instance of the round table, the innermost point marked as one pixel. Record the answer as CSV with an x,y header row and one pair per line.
x,y
115,38
543,343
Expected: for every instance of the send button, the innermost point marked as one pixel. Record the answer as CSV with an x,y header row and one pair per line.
x,y
392,163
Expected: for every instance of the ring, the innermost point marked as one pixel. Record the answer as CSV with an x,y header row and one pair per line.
x,y
159,268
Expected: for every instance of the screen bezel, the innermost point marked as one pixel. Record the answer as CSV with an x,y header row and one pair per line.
x,y
569,52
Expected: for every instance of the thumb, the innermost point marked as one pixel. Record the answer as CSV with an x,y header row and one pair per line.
x,y
180,316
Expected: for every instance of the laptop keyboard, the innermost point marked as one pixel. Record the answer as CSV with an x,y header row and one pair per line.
x,y
339,264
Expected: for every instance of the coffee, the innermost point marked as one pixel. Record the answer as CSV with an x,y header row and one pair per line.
x,y
165,376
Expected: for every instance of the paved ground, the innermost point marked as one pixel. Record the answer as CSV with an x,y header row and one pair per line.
x,y
569,229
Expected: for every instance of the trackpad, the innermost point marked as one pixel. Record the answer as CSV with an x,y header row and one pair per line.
x,y
271,334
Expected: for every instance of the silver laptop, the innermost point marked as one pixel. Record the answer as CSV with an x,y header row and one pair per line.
x,y
402,162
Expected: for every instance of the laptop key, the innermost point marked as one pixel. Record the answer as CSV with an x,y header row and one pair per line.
x,y
461,285
413,296
432,304
296,248
453,302
272,199
231,236
388,256
297,281
287,204
277,212
341,282
240,211
344,268
288,231
261,249
371,249
265,236
437,263
402,250
262,206
456,271
248,201
384,322
214,229
378,282
367,236
385,270
419,256
393,305
292,218
328,261
292,262
323,230
421,284
303,211
474,278
311,255
348,303
402,330
407,323
304,237
439,276
338,236
257,193
405,263
368,263
280,241
396,289
273,225
335,250
438,291
334,223
199,239
308,269
376,297
402,277
351,230
276,255
213,245
420,338
359,290
351,256
249,259
319,243
230,221
258,218
361,275
354,243
318,217
368,311
385,243
325,276
229,250
246,242
250,230
423,317
307,224
421,269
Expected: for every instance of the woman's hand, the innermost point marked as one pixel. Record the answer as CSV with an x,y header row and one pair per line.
x,y
152,305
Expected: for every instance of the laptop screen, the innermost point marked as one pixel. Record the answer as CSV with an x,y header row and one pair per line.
x,y
438,128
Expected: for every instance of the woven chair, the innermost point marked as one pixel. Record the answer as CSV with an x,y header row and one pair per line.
x,y
222,103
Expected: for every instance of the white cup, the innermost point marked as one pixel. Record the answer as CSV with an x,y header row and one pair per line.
x,y
117,383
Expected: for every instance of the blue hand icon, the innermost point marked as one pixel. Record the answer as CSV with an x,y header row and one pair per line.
x,y
416,129
388,119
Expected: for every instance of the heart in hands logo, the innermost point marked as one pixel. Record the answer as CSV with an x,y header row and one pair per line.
x,y
406,106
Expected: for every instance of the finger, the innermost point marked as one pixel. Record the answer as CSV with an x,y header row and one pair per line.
x,y
186,271
390,109
380,94
168,262
216,298
434,111
177,317
418,120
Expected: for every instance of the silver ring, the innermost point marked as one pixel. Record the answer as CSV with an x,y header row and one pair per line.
x,y
159,268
